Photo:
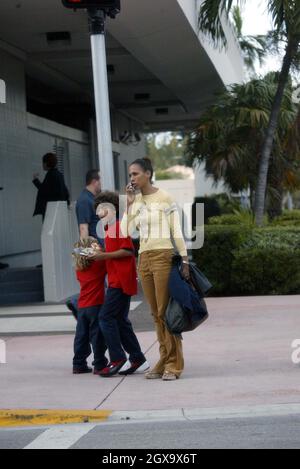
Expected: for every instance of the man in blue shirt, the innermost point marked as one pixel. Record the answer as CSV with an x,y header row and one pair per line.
x,y
85,207
88,222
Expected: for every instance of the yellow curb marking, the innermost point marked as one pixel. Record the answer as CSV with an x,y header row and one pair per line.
x,y
28,417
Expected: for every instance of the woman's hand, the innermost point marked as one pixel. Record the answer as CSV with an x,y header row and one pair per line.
x,y
186,271
130,192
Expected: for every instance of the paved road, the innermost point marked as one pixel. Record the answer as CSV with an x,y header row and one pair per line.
x,y
239,433
242,356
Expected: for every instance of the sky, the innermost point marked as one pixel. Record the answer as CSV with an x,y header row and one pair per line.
x,y
256,17
257,20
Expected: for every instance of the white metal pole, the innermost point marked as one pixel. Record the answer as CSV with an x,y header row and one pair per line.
x,y
102,100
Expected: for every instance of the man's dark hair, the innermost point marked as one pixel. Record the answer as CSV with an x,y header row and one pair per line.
x,y
92,175
108,197
50,160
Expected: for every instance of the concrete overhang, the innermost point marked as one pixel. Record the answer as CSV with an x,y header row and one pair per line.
x,y
163,73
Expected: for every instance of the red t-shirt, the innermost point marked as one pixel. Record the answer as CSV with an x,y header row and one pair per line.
x,y
92,284
121,272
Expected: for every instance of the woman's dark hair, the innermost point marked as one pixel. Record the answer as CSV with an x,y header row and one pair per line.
x,y
107,197
145,164
50,160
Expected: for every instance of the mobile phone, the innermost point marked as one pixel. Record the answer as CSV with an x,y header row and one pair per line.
x,y
134,188
84,252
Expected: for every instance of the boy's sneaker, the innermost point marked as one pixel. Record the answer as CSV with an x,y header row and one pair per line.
x,y
82,371
135,367
112,369
97,371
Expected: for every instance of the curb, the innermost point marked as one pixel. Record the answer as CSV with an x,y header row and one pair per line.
x,y
34,417
216,413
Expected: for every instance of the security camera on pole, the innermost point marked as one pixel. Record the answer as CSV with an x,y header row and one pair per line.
x,y
98,10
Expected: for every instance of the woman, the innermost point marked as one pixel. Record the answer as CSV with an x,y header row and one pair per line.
x,y
52,189
155,215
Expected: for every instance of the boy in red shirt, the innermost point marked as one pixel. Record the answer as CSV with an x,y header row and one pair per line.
x,y
122,285
91,276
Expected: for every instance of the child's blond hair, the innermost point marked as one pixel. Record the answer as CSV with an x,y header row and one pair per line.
x,y
82,262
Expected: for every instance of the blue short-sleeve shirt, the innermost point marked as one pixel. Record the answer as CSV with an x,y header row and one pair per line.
x,y
86,214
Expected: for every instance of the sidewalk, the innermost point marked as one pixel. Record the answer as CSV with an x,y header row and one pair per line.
x,y
240,357
39,320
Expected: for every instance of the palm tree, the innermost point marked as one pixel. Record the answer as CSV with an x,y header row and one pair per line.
x,y
286,20
230,135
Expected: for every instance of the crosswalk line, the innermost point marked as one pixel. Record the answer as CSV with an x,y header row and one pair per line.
x,y
61,437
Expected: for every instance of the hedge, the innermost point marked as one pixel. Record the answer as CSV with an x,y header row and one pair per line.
x,y
241,260
266,272
217,255
288,218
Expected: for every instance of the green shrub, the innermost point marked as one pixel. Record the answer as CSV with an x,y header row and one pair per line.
x,y
268,263
239,217
288,218
227,204
217,255
260,271
241,260
274,238
224,220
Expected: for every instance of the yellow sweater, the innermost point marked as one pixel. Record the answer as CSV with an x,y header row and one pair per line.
x,y
157,219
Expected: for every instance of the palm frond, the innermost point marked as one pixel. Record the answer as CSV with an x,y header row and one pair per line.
x,y
230,134
210,23
237,21
286,16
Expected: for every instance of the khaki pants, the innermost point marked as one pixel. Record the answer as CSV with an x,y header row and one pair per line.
x,y
154,271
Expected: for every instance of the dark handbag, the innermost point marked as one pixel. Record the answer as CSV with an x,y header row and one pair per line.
x,y
201,284
198,280
175,318
186,309
179,319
